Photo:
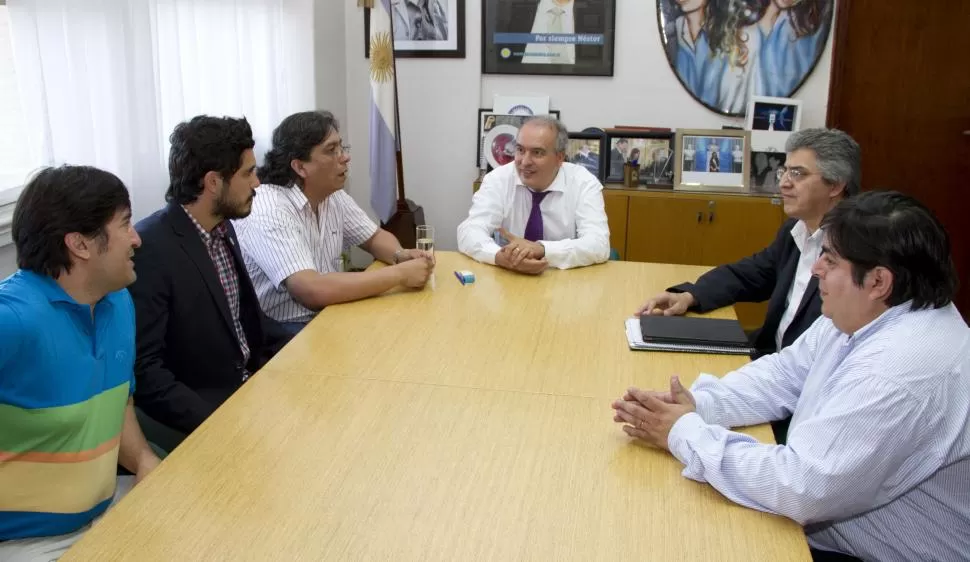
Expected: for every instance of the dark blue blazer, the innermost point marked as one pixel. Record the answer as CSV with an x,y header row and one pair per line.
x,y
188,360
765,276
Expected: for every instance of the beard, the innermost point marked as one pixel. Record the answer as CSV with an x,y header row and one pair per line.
x,y
227,209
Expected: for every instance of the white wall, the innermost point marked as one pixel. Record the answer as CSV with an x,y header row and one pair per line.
x,y
8,261
439,99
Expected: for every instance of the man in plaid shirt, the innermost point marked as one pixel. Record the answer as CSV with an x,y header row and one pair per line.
x,y
200,331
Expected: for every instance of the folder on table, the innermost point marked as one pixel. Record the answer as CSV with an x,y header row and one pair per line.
x,y
687,334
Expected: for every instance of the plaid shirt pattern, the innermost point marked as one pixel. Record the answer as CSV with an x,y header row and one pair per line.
x,y
216,243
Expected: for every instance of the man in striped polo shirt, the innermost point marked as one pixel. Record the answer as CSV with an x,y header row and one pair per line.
x,y
67,327
301,222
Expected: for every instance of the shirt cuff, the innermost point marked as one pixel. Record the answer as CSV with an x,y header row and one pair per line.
x,y
688,428
704,406
557,252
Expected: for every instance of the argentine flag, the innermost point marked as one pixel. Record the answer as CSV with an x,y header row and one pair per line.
x,y
383,122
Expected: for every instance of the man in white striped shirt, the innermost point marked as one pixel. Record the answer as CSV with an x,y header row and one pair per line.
x,y
878,455
302,221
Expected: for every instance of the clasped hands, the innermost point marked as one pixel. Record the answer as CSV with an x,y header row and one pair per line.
x,y
650,415
521,255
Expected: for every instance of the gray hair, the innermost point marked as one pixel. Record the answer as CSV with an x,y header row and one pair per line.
x,y
562,134
838,155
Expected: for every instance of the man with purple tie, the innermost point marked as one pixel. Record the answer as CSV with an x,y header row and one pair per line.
x,y
549,212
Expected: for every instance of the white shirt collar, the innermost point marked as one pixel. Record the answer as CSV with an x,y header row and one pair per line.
x,y
549,5
802,238
558,184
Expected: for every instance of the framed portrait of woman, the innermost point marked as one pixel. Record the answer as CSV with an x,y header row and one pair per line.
x,y
725,52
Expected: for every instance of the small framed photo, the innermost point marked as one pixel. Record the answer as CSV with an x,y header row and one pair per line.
x,y
712,160
496,137
765,167
586,150
651,150
771,121
430,29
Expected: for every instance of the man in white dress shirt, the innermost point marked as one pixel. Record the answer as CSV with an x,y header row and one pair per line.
x,y
302,221
878,454
550,212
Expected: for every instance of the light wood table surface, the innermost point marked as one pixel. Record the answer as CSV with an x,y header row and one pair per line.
x,y
464,423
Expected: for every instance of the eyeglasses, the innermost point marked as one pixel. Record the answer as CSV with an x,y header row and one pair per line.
x,y
338,151
796,174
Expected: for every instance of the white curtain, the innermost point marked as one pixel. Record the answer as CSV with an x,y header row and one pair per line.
x,y
104,82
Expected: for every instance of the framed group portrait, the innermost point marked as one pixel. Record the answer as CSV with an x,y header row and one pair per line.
x,y
424,28
548,37
712,160
650,151
725,52
586,149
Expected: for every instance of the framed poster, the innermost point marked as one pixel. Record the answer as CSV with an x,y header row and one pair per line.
x,y
424,28
496,137
548,37
586,150
725,52
712,160
652,151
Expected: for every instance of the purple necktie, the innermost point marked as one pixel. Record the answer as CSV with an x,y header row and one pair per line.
x,y
533,228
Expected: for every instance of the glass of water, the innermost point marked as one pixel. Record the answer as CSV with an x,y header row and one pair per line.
x,y
425,238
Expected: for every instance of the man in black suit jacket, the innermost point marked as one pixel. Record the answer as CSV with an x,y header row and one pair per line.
x,y
823,167
200,331
519,16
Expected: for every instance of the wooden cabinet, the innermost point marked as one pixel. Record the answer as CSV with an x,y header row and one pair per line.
x,y
617,205
697,229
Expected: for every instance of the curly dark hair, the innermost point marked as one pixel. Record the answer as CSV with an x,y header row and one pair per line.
x,y
293,139
205,144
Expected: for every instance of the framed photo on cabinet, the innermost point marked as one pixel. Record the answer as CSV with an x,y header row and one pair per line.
x,y
652,151
712,160
586,150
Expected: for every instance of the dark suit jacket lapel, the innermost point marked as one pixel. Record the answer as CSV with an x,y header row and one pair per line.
x,y
192,243
810,291
776,306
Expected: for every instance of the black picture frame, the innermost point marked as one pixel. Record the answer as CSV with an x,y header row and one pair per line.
x,y
434,53
654,172
573,153
514,120
507,25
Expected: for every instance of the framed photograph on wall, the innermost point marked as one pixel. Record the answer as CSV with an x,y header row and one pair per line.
x,y
425,29
771,121
496,137
765,170
574,39
712,160
651,150
586,150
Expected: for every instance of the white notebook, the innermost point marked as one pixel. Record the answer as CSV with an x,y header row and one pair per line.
x,y
635,338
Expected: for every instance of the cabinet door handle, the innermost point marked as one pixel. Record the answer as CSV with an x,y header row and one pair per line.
x,y
700,217
711,218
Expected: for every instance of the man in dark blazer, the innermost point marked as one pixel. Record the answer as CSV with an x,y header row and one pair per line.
x,y
823,167
519,16
200,330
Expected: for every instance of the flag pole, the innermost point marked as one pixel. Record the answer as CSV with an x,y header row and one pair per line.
x,y
402,203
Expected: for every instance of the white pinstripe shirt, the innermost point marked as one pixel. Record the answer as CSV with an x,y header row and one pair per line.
x,y
282,236
877,463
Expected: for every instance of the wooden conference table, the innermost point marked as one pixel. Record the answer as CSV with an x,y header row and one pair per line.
x,y
460,423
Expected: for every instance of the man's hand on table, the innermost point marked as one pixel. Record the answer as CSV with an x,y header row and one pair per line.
x,y
650,415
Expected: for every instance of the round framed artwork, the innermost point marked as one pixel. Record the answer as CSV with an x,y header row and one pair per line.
x,y
724,51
